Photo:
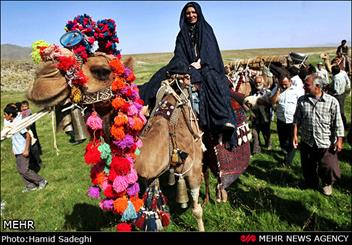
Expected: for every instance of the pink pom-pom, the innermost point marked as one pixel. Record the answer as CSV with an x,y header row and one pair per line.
x,y
94,192
120,183
130,122
139,143
132,176
132,110
105,184
142,117
107,204
94,121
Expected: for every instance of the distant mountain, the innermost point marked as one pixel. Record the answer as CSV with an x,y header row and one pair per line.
x,y
15,52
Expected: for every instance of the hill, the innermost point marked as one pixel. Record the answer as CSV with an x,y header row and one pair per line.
x,y
15,52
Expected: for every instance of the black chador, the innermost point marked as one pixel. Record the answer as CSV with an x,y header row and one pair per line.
x,y
194,42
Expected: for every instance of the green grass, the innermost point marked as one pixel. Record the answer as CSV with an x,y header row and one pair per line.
x,y
264,198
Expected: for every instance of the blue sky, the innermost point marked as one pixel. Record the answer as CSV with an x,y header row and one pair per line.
x,y
152,26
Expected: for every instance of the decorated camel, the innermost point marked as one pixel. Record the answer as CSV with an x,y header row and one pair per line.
x,y
88,74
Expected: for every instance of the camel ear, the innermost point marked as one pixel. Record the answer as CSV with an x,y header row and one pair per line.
x,y
129,62
49,87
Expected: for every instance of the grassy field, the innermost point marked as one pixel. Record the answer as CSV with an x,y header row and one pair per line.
x,y
265,198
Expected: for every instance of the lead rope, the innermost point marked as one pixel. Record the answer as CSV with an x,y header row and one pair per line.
x,y
53,126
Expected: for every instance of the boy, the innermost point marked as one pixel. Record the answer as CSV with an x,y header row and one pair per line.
x,y
20,147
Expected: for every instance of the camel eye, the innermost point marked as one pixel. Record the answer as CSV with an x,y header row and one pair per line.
x,y
101,73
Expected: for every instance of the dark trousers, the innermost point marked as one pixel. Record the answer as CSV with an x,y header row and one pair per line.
x,y
317,163
285,133
35,162
341,100
30,178
265,129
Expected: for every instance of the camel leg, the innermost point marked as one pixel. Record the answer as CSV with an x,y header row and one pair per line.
x,y
207,191
223,195
197,210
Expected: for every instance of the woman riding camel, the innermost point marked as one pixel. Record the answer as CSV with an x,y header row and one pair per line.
x,y
197,53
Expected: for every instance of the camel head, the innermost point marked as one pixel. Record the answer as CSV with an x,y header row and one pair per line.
x,y
83,71
324,56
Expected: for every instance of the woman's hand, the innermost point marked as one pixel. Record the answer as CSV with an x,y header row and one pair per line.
x,y
187,79
196,64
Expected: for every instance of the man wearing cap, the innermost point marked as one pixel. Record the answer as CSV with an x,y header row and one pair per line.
x,y
323,73
318,119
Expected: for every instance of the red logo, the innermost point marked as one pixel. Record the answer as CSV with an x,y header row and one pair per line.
x,y
248,238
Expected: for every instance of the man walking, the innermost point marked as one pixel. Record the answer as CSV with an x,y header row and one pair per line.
x,y
319,121
285,97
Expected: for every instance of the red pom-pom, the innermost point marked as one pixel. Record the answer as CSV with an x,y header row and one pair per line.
x,y
66,62
124,227
120,165
131,77
112,175
110,193
124,108
92,155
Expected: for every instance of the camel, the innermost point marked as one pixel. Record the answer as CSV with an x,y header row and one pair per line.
x,y
173,130
340,61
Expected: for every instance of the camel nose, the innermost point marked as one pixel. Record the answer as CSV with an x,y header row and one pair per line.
x,y
101,73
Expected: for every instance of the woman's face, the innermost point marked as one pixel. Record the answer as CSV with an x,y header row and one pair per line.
x,y
191,15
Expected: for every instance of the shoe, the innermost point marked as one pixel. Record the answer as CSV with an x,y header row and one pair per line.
x,y
74,142
42,184
327,190
28,189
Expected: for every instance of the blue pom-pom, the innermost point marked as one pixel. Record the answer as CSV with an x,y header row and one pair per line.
x,y
130,213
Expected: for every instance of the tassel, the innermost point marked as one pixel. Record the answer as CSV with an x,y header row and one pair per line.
x,y
159,225
150,224
148,202
145,196
154,203
163,197
165,218
130,213
160,200
244,138
140,221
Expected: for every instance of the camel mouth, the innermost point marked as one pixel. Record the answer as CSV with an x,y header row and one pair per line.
x,y
98,96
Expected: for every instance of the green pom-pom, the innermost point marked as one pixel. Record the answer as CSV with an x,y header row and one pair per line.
x,y
137,152
105,153
36,51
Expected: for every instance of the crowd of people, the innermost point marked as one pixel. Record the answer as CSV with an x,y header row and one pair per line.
x,y
312,104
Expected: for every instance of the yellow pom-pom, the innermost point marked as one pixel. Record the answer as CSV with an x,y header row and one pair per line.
x,y
76,94
36,50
